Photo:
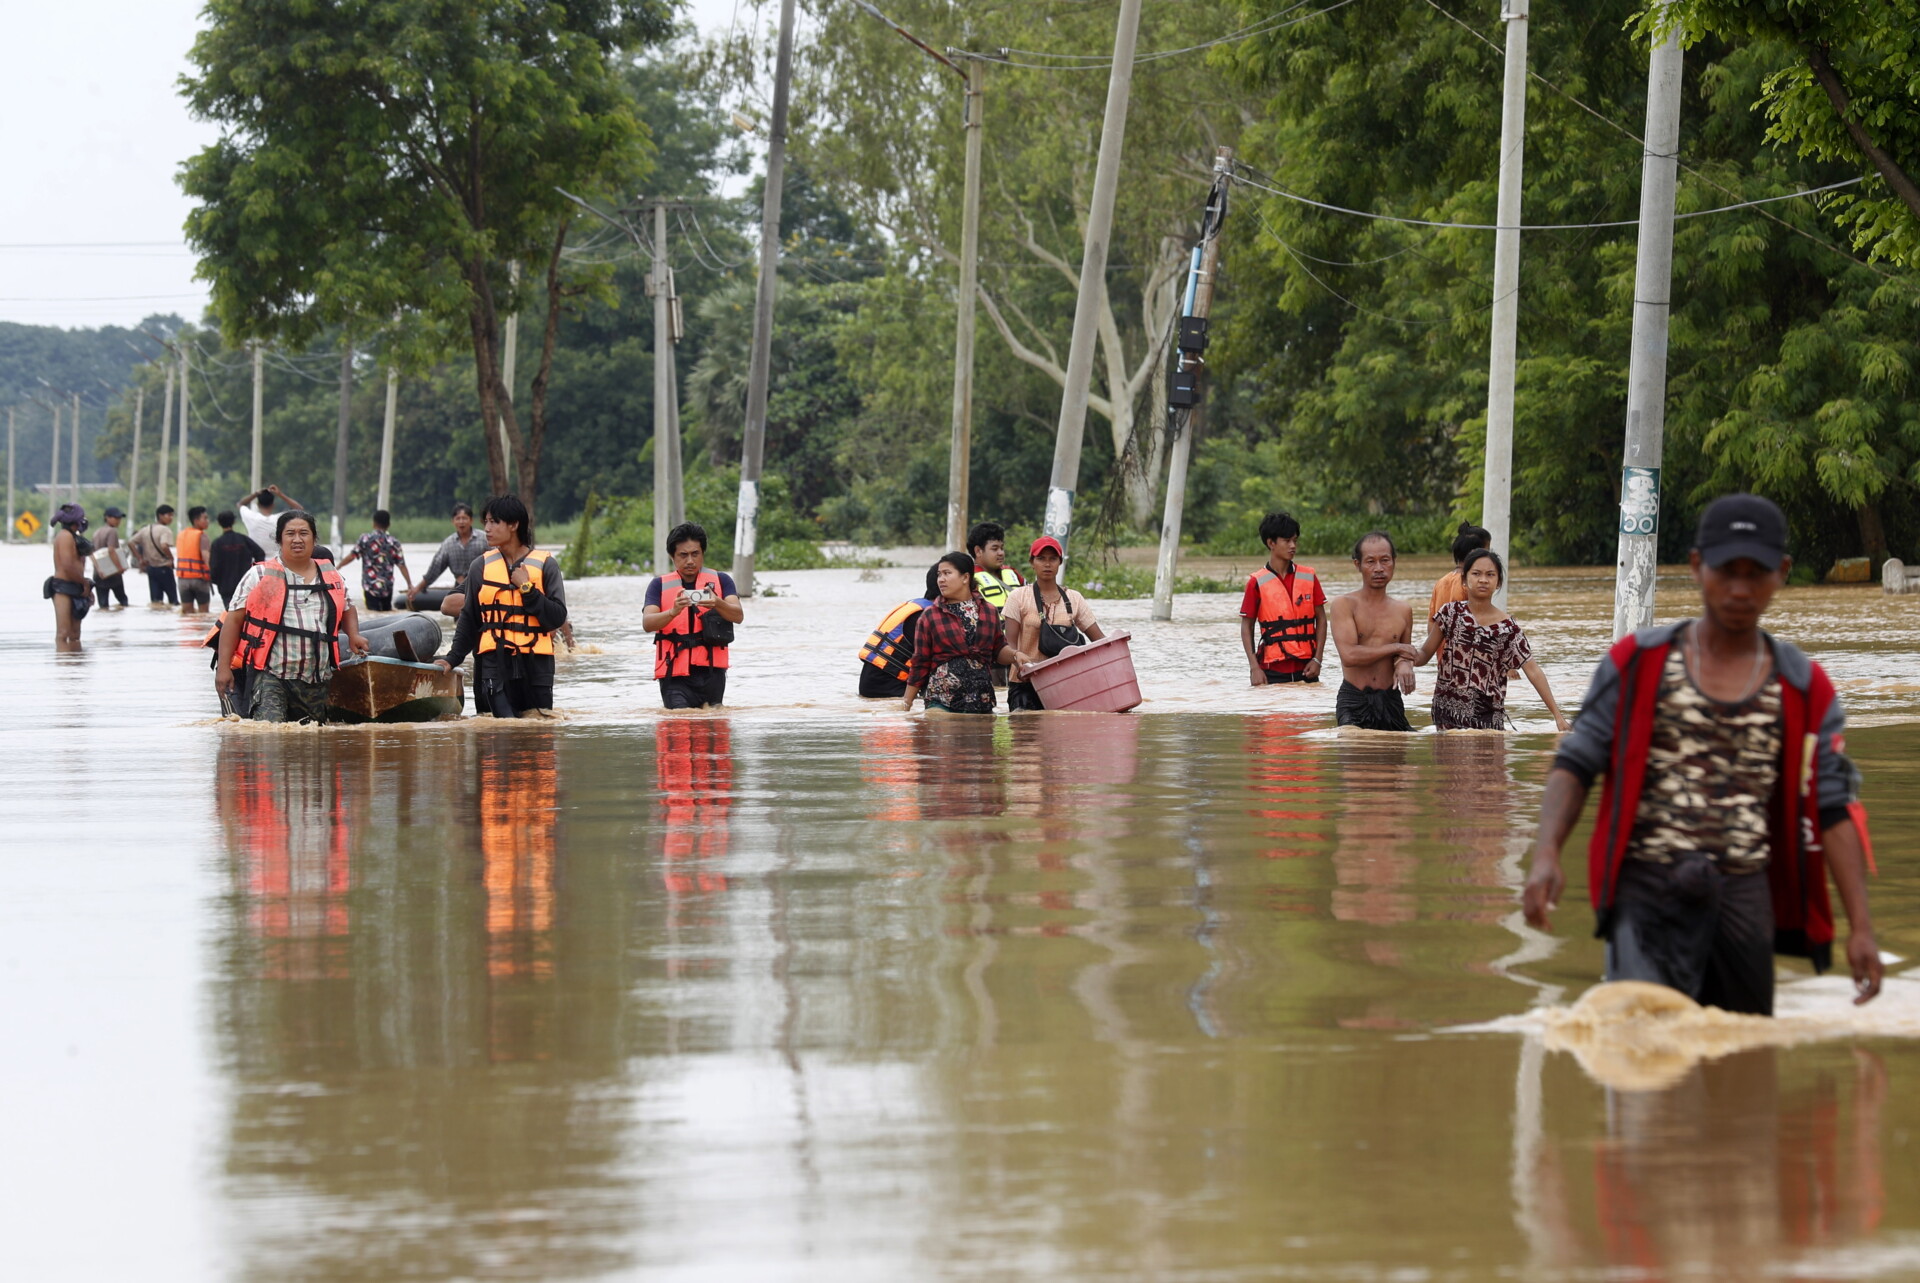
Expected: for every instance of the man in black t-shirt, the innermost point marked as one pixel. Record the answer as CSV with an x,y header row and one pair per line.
x,y
230,557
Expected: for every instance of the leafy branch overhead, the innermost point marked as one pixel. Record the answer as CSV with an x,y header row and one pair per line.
x,y
397,159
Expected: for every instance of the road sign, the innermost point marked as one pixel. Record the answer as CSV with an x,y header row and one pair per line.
x,y
26,523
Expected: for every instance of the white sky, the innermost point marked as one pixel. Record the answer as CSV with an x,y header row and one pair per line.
x,y
90,215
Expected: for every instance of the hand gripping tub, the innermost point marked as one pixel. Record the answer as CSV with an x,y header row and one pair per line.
x,y
1095,678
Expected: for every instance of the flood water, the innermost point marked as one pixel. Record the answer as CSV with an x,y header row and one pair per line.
x,y
815,990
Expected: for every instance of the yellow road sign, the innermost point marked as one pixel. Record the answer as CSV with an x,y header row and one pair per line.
x,y
26,523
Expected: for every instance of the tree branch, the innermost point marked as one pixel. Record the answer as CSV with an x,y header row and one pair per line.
x,y
1903,186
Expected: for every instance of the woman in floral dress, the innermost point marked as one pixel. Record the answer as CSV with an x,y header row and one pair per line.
x,y
958,640
1482,646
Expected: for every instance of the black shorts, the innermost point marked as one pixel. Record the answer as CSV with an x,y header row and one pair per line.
x,y
379,603
1023,698
1691,927
1276,678
701,688
1372,710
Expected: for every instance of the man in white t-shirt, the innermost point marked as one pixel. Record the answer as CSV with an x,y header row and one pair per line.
x,y
261,513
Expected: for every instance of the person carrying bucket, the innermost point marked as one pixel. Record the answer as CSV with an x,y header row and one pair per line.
x,y
1042,619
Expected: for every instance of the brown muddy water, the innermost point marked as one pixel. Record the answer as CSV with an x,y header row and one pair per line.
x,y
815,990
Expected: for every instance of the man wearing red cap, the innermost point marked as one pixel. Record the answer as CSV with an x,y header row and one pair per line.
x,y
1042,619
1728,798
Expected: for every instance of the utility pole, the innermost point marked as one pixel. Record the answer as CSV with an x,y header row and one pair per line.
x,y
166,432
53,481
259,416
960,455
386,438
180,502
133,469
753,444
509,358
1496,496
1186,398
11,514
73,453
1093,280
1639,554
960,452
340,450
658,286
676,471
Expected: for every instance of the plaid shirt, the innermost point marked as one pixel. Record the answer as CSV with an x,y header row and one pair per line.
x,y
299,659
942,635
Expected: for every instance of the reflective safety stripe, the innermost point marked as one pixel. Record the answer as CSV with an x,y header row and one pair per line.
x,y
1289,624
505,623
884,645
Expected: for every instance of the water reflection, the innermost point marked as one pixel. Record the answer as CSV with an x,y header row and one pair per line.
x,y
1727,1174
414,1039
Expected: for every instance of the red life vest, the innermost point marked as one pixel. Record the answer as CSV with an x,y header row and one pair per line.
x,y
1289,623
266,606
678,648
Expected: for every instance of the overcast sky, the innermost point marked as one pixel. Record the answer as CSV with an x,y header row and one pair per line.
x,y
90,215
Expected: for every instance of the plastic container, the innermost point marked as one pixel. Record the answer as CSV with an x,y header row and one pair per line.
x,y
1095,678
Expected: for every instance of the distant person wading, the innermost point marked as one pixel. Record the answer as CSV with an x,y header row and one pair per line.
x,y
888,651
1042,620
67,587
1482,645
515,600
959,641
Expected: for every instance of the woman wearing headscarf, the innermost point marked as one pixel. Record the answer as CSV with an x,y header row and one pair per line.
x,y
958,641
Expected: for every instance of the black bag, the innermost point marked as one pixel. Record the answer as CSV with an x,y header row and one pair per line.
x,y
1055,638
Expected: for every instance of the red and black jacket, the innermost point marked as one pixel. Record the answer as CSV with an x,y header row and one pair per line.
x,y
1817,786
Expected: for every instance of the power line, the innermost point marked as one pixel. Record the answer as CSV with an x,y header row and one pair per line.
x,y
1094,62
1533,227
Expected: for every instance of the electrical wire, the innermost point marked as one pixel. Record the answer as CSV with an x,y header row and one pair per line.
x,y
1094,62
1534,227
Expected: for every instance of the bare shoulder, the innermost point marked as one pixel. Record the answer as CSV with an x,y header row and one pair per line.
x,y
1343,604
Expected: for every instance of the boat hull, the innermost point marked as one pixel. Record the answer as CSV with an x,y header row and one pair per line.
x,y
377,689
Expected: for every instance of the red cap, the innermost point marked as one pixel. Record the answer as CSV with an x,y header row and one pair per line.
x,y
1044,542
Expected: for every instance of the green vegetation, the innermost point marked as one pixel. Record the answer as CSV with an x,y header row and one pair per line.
x,y
1348,352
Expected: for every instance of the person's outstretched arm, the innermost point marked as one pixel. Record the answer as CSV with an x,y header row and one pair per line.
x,y
1539,679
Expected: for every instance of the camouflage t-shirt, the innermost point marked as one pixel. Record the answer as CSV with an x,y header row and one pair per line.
x,y
1710,773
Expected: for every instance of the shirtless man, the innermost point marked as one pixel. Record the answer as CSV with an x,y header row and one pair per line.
x,y
1375,635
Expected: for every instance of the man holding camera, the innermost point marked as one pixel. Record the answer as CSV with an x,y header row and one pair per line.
x,y
693,612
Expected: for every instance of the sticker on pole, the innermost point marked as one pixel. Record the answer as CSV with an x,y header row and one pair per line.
x,y
26,523
1639,501
746,519
1059,518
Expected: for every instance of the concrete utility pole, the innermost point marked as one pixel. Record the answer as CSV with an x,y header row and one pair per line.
x,y
166,432
386,438
658,286
73,453
1186,408
676,470
133,469
509,359
180,503
53,481
340,450
1496,496
11,514
960,456
753,444
1093,280
1639,554
259,415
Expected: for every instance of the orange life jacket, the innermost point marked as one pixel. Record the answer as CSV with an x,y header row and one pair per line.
x,y
266,606
679,648
190,555
1288,623
885,644
505,622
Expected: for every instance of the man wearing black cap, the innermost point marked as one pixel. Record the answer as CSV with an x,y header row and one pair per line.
x,y
108,557
1728,797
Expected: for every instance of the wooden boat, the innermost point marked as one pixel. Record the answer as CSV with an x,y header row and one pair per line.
x,y
377,689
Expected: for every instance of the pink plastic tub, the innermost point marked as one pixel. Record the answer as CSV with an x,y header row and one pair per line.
x,y
1095,678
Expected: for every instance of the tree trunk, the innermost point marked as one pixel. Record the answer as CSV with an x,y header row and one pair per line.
x,y
529,452
496,404
1873,536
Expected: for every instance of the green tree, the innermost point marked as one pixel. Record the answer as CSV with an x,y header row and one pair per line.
x,y
1845,89
397,159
